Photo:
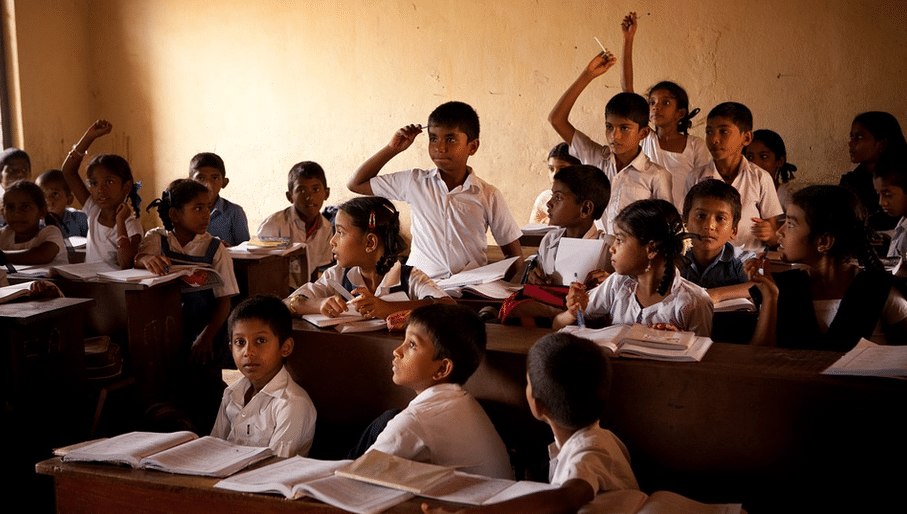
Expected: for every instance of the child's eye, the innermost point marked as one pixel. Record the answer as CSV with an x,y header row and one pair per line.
x,y
238,342
261,340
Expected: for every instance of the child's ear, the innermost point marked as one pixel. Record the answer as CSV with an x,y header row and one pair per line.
x,y
225,182
824,243
290,196
747,138
644,131
327,192
70,198
287,347
173,213
586,208
651,250
371,242
473,146
445,368
734,232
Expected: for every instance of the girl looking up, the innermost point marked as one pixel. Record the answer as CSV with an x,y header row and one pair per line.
x,y
769,153
23,239
114,230
366,245
645,286
835,301
669,145
185,208
558,158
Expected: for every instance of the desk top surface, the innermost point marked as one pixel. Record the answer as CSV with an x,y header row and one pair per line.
x,y
37,310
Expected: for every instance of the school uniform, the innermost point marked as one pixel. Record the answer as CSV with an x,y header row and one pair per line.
x,y
725,270
898,246
449,226
287,223
547,253
758,198
228,222
45,234
445,425
678,164
638,180
686,306
418,286
594,455
75,223
281,416
102,241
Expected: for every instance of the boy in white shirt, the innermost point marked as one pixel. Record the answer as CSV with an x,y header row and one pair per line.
x,y
633,176
452,207
266,407
890,182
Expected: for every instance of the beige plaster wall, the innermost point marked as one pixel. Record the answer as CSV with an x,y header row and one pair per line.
x,y
267,83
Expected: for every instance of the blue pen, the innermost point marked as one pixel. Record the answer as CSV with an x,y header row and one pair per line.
x,y
580,319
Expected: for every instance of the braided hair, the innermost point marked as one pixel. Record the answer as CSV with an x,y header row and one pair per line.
x,y
179,193
683,102
656,221
377,215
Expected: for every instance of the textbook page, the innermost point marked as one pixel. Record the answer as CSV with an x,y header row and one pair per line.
x,y
129,448
467,488
282,477
9,293
480,275
83,270
660,502
576,258
380,468
353,495
207,456
868,359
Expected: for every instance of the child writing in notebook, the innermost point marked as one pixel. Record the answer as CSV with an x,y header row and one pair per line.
x,y
110,200
769,153
835,301
266,407
184,208
366,244
645,287
567,387
59,198
670,145
23,239
228,220
558,158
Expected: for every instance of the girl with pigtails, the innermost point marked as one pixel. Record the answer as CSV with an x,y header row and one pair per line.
x,y
367,244
646,286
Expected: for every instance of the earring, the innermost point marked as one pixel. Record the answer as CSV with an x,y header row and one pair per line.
x,y
649,266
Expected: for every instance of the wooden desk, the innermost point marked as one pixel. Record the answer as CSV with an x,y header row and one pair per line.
x,y
748,424
263,273
101,489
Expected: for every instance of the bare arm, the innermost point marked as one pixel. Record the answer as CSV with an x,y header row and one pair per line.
x,y
41,254
629,28
560,114
766,332
568,498
403,138
74,159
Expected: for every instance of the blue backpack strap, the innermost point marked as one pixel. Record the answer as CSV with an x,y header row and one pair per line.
x,y
208,258
404,280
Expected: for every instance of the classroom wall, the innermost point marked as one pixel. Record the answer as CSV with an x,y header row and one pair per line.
x,y
267,83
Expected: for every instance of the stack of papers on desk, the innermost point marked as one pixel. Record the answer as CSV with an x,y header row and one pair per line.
x,y
868,359
270,248
195,276
639,341
83,271
487,274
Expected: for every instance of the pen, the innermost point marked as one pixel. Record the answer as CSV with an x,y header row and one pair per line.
x,y
580,318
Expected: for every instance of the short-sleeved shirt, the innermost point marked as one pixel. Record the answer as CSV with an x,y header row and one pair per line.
x,y
449,227
75,223
420,286
198,247
547,253
679,165
102,241
640,179
687,306
725,270
45,234
445,425
228,222
758,198
281,416
594,455
287,223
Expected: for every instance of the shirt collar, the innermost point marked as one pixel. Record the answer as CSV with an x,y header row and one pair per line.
x,y
467,185
272,388
437,390
218,205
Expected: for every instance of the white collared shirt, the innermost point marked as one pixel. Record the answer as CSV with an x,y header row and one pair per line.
x,y
679,165
102,241
198,247
594,455
420,286
287,223
281,416
448,227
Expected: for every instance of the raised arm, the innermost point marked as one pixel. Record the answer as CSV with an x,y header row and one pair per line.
x,y
560,114
359,183
628,26
74,159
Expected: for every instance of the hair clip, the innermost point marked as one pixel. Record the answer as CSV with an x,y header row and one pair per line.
x,y
692,113
371,220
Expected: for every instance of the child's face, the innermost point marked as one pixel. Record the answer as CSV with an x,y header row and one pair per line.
x,y
892,198
563,209
107,189
555,165
450,148
759,154
863,145
212,178
193,216
628,255
307,196
348,243
795,244
414,362
623,135
257,351
724,139
21,213
663,109
57,197
15,170
713,220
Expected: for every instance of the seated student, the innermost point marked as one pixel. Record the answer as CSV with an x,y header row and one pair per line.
x,y
302,222
835,301
890,181
729,129
366,244
452,207
711,210
443,424
645,286
23,239
59,198
633,176
558,158
228,220
568,380
265,407
15,165
769,153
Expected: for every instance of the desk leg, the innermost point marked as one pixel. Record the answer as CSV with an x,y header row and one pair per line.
x,y
155,326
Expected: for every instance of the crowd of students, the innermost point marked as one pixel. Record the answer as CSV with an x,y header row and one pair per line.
x,y
686,223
